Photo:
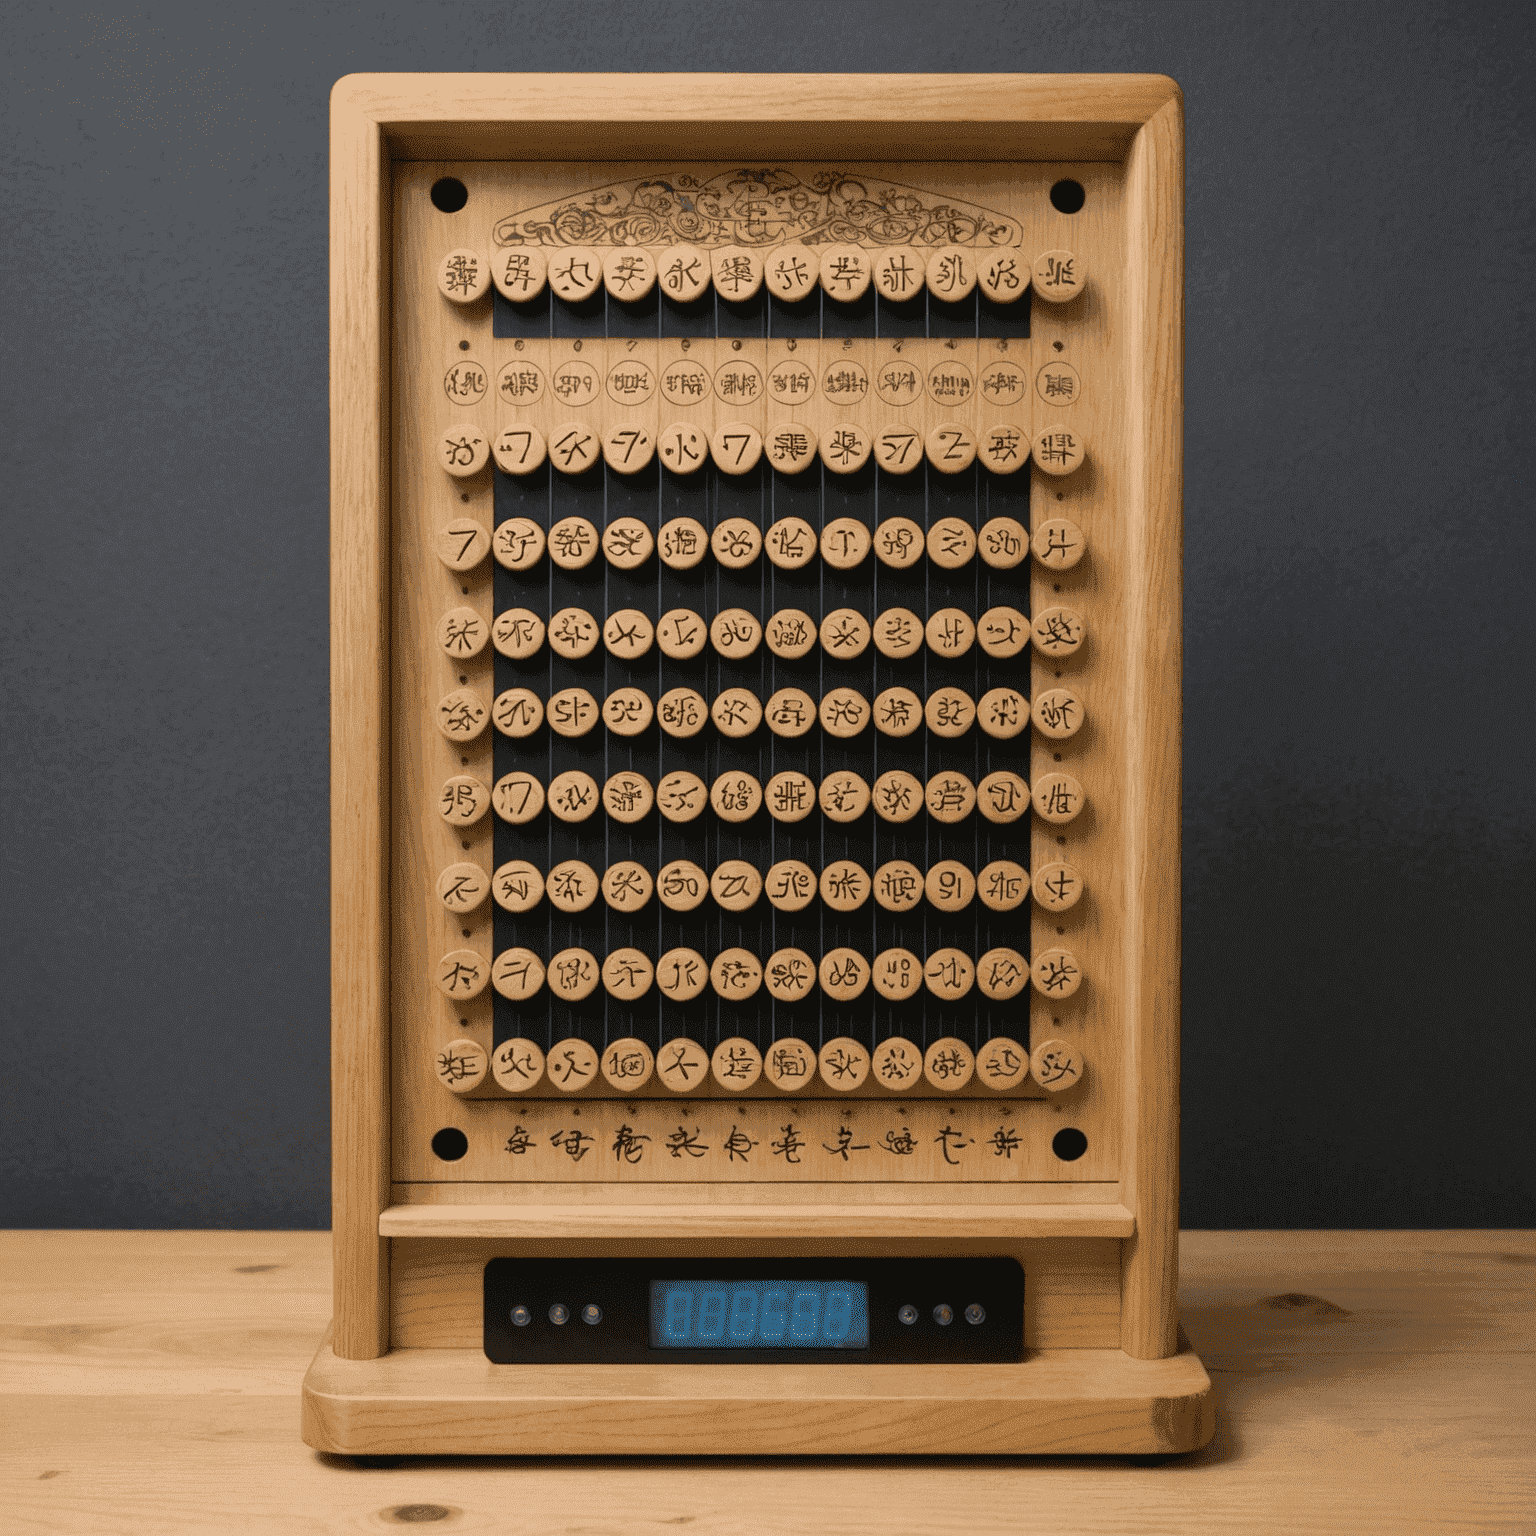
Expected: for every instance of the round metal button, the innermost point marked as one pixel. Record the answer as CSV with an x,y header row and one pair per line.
x,y
559,1313
592,1314
521,1317
908,1314
943,1315
975,1313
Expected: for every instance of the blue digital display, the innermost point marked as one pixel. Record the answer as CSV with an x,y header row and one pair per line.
x,y
759,1314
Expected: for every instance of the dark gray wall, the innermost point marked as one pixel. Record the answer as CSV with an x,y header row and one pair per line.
x,y
1359,901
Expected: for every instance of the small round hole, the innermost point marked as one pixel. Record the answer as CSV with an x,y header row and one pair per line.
x,y
1055,344
465,931
1057,587
450,1144
1069,1145
465,843
464,761
1060,496
464,590
1066,197
464,676
1059,931
1057,756
450,194
464,346
463,1023
463,495
1059,840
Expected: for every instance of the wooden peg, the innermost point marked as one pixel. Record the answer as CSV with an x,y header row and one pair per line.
x,y
949,796
627,796
845,885
735,633
627,711
463,276
517,975
789,1064
684,447
843,796
790,975
791,271
1058,544
951,448
1002,1064
463,800
844,712
736,1064
627,974
898,712
897,1064
1057,797
682,974
949,886
1058,276
1002,713
845,272
681,796
461,1065
737,271
1057,886
462,974
627,1063
899,543
1002,448
845,541
1002,885
844,1063
845,634
517,1065
846,448
898,451
461,715
898,273
517,886
898,885
463,450
736,447
575,272
462,887
572,885
949,712
518,544
736,884
1002,797
1057,713
791,633
463,544
790,794
898,796
1003,275
790,712
951,543
682,543
951,273
681,633
629,273
1056,973
573,633
1059,450
520,273
898,632
573,543
950,632
573,796
628,634
682,1064
1056,1066
736,974
681,885
517,633
736,796
948,1063
1002,974
736,712
1057,631
518,797
627,449
462,633
948,974
1003,543
791,543
897,975
684,273
791,447
571,1064
518,712
736,543
1003,632
844,974
519,449
791,885
573,974
681,712
571,712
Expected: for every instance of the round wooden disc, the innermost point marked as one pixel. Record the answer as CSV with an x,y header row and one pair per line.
x,y
683,272
845,885
899,543
845,634
1059,384
949,712
951,543
791,271
1002,885
681,796
521,383
517,1065
573,633
791,633
898,712
571,885
518,797
950,447
575,272
949,796
463,800
1002,713
681,885
461,715
791,543
571,1064
629,272
789,1064
949,632
517,633
682,543
1056,631
571,712
682,974
846,448
519,449
627,975
631,381
898,885
682,1064
790,975
628,634
951,386
1003,275
1003,542
948,1064
462,887
463,276
683,447
1057,886
735,633
844,1063
951,273
790,795
1058,450
627,1063
736,796
1002,797
460,1065
682,712
574,448
736,974
844,380
737,271
899,451
843,796
627,795
1003,632
844,712
1058,276
517,974
520,273
898,633
1058,544
681,633
897,795
736,885
948,974
897,974
736,542
463,543
462,974
1056,973
1003,449
573,543
573,795
684,381
898,273
462,633
736,712
1057,713
517,886
573,974
627,711
896,1063
1002,1064
1002,974
736,1064
627,543
844,974
790,381
1056,1066
736,447
791,885
518,544
791,447
845,272
790,712
949,886
845,541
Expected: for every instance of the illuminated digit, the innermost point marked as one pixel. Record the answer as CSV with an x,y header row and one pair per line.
x,y
743,1315
839,1316
774,1318
806,1315
711,1314
679,1313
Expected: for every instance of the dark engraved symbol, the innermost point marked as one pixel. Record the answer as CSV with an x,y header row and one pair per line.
x,y
902,1143
455,1066
738,1144
573,1143
629,1145
1005,1142
951,1139
845,1144
681,1141
789,1144
519,1141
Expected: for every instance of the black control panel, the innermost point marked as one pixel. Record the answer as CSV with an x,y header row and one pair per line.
x,y
767,1311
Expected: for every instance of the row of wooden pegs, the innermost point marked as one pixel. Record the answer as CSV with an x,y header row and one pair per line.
x,y
844,634
789,272
683,1066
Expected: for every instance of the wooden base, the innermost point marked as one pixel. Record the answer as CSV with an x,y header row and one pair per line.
x,y
1057,1401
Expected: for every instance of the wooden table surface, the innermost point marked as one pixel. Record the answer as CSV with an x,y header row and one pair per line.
x,y
1366,1381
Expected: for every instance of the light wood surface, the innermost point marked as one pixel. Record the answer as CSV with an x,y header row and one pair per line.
x,y
1375,1382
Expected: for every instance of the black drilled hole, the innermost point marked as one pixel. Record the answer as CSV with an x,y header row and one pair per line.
x,y
450,194
1066,196
450,1144
1068,1145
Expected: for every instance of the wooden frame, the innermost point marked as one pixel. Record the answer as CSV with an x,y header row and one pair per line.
x,y
377,120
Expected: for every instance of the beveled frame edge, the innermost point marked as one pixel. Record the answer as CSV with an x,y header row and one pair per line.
x,y
377,119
